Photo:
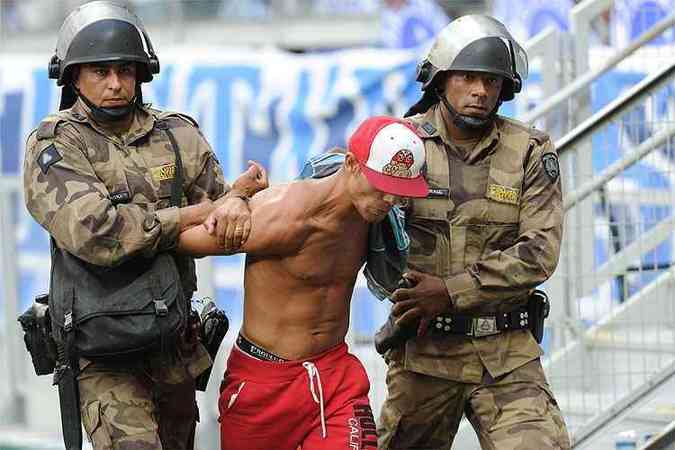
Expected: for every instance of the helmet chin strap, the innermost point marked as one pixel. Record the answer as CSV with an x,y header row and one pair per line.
x,y
466,122
108,115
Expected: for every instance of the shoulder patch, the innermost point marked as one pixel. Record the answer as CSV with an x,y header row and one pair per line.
x,y
47,129
163,116
551,165
428,128
536,135
539,136
48,156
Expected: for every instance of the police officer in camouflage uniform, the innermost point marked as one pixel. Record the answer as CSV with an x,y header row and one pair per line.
x,y
98,177
487,234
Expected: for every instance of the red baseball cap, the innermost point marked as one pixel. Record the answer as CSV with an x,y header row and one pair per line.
x,y
391,155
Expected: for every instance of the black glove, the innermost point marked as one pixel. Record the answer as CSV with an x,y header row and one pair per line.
x,y
214,326
391,335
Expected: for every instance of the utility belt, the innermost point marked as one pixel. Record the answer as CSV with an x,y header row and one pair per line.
x,y
529,317
481,326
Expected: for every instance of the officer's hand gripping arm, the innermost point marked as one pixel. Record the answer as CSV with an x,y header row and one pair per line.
x,y
425,299
230,221
278,227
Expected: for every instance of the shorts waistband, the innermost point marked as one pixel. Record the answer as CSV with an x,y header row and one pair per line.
x,y
256,351
256,369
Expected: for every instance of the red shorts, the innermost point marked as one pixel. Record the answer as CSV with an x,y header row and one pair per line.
x,y
278,405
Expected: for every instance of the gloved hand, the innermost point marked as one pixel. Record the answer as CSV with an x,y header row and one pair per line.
x,y
391,335
214,326
426,299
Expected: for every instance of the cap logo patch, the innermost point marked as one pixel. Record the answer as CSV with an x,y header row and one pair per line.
x,y
392,155
400,164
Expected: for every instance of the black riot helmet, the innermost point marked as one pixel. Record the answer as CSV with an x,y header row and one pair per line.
x,y
475,43
101,31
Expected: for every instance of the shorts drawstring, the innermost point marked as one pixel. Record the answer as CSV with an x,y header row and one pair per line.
x,y
313,371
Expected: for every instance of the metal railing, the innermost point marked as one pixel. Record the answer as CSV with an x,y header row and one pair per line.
x,y
585,80
663,441
614,337
574,68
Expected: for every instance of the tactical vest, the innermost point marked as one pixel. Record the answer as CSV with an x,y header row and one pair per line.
x,y
128,311
472,209
116,179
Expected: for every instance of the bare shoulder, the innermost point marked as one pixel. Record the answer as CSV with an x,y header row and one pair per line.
x,y
296,199
272,197
280,221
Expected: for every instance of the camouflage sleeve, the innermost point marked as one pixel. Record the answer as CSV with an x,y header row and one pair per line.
x,y
209,181
63,193
534,256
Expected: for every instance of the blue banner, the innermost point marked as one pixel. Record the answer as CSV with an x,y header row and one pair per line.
x,y
625,21
279,109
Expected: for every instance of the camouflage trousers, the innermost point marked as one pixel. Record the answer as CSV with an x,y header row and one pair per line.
x,y
140,409
514,411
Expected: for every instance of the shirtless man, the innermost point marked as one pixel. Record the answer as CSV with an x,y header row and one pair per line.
x,y
290,380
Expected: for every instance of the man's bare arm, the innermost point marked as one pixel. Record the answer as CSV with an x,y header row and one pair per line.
x,y
277,227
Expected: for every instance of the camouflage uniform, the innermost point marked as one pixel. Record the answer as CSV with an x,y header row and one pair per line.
x,y
105,198
491,229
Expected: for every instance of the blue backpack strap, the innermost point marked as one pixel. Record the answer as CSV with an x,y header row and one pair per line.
x,y
388,245
322,165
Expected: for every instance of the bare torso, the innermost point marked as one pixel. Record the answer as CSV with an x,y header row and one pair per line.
x,y
306,246
297,305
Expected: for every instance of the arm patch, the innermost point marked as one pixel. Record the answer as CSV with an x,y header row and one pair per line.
x,y
48,156
551,165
